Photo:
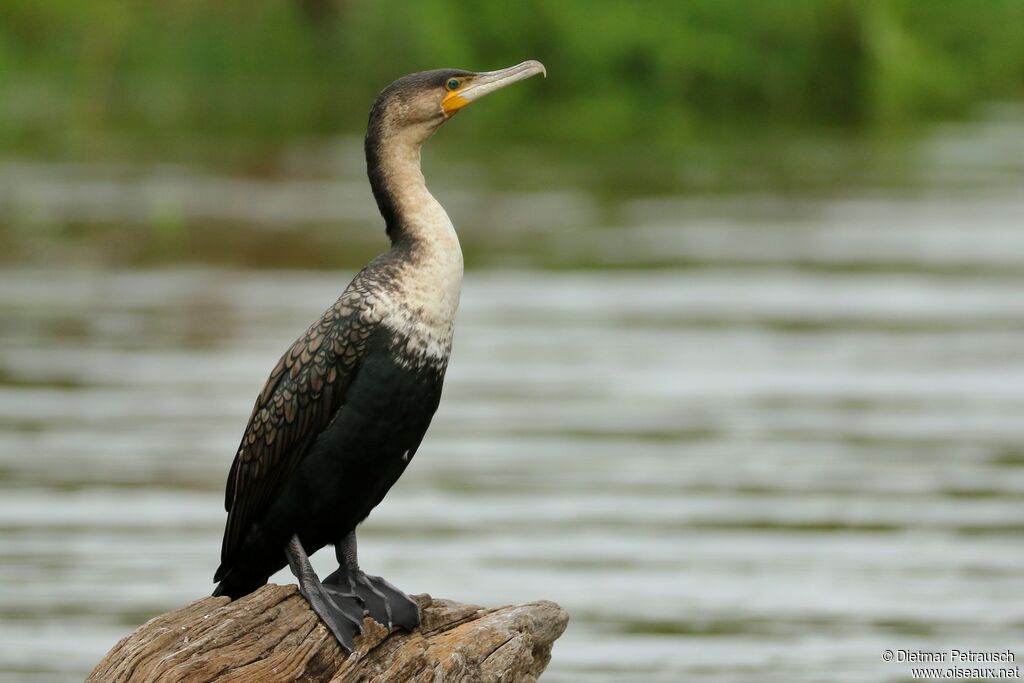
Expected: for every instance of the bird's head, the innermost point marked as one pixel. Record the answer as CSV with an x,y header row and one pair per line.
x,y
415,106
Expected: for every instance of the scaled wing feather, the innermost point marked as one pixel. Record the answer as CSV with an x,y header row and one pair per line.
x,y
304,392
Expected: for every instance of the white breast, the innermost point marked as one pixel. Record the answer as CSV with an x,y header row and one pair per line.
x,y
422,309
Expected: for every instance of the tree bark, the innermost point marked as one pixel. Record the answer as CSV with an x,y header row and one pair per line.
x,y
272,635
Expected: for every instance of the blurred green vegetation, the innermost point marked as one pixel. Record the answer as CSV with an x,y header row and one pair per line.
x,y
191,77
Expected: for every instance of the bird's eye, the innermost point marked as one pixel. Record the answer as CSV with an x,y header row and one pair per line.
x,y
452,83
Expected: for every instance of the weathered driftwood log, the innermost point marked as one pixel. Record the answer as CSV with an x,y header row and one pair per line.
x,y
272,635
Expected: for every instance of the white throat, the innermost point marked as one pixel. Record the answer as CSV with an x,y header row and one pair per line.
x,y
429,282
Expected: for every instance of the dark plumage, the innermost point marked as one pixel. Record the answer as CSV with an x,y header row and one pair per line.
x,y
347,406
304,393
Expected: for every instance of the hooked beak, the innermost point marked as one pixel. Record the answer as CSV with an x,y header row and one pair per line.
x,y
487,82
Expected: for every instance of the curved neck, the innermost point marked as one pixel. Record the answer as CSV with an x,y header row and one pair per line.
x,y
411,213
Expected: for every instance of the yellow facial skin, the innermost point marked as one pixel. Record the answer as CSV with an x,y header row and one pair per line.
x,y
453,101
461,90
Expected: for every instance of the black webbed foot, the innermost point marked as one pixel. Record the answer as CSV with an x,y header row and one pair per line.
x,y
403,610
385,603
342,613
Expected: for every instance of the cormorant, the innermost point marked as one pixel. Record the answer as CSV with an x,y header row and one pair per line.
x,y
346,407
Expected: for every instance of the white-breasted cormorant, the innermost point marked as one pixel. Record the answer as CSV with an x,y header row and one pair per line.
x,y
346,407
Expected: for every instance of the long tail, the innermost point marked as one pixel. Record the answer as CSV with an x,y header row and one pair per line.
x,y
235,584
251,566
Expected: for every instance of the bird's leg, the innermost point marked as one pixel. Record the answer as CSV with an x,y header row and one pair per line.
x,y
342,613
385,603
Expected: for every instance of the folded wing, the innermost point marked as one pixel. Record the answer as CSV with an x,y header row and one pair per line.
x,y
304,392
